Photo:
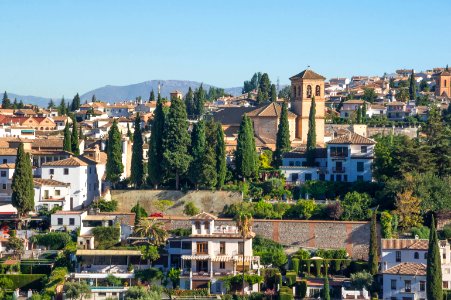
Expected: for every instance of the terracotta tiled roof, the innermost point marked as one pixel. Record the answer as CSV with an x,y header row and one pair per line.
x,y
47,143
203,216
69,212
352,138
407,269
8,151
7,166
270,110
395,103
411,244
48,182
308,74
68,162
354,101
377,106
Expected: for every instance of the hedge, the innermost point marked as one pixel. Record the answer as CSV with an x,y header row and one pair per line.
x,y
301,289
286,293
35,269
26,281
291,278
358,266
295,265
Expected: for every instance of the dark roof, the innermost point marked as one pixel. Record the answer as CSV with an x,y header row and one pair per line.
x,y
231,115
270,110
308,74
319,153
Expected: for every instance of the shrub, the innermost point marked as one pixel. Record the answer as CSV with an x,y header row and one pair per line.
x,y
190,209
422,232
56,278
361,280
52,240
446,232
105,206
301,288
180,232
25,281
291,278
355,206
295,265
106,237
286,293
386,222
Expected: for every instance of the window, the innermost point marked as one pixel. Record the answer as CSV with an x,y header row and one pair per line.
x,y
222,264
66,171
360,166
339,151
359,178
298,163
240,247
291,163
393,284
207,225
4,186
309,91
308,176
60,221
422,286
345,178
71,221
445,284
52,171
338,177
222,247
331,177
425,255
5,161
363,149
294,177
3,173
322,177
186,245
294,91
407,286
202,247
57,192
444,254
416,255
398,256
197,224
317,90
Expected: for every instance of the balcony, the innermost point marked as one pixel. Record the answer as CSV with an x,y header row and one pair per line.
x,y
339,170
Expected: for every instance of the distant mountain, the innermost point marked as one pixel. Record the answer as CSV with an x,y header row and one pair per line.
x,y
40,101
111,93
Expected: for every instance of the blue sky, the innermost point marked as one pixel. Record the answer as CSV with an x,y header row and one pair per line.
x,y
54,48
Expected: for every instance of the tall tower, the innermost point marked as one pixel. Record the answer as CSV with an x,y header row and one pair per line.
x,y
305,86
443,83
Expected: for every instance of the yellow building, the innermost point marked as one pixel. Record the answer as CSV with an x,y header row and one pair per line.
x,y
443,83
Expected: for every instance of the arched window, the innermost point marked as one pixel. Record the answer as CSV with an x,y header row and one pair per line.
x,y
416,255
207,225
309,91
294,91
317,90
197,225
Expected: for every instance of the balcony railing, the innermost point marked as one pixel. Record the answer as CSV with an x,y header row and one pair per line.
x,y
339,170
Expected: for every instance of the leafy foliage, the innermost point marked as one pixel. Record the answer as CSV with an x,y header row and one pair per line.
x,y
52,240
22,186
114,166
190,209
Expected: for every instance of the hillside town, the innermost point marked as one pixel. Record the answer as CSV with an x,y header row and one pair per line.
x,y
322,189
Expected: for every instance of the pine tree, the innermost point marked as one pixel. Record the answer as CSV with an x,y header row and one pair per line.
x,y
67,143
20,105
15,104
209,176
190,106
75,103
283,143
62,110
373,254
176,140
198,142
93,98
137,169
152,96
265,86
273,93
22,187
311,134
51,104
74,138
434,267
155,170
114,166
221,167
6,103
326,289
412,87
246,160
199,102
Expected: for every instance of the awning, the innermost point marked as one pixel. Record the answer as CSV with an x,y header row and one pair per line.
x,y
108,253
222,258
246,258
195,257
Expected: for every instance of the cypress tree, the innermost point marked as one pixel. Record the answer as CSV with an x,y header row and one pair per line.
x,y
152,96
434,267
283,143
75,103
114,166
246,161
209,175
311,134
221,167
265,86
273,93
129,132
51,104
190,106
22,197
6,103
260,96
80,134
137,169
67,143
326,288
364,109
20,105
176,141
198,142
359,115
155,171
138,214
412,87
15,105
62,110
199,101
93,98
74,138
373,254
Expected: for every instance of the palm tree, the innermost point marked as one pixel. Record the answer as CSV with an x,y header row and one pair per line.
x,y
244,223
153,230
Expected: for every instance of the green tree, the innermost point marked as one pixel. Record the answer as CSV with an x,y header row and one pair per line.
x,y
22,187
67,143
359,115
174,276
137,168
251,85
373,259
355,206
20,105
209,175
199,102
16,245
62,109
75,103
149,253
129,133
190,209
76,290
326,288
285,93
408,209
369,95
51,104
265,86
152,95
6,103
434,267
386,225
361,280
221,167
198,142
15,104
260,96
311,134
246,158
439,142
139,213
74,138
176,141
114,166
412,86
155,170
273,93
283,143
190,105
5,284
153,230
244,223
403,95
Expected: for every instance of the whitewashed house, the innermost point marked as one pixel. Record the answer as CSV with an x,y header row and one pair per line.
x,y
6,175
405,281
49,193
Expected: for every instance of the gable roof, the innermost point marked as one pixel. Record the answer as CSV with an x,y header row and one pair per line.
x,y
308,74
411,244
231,115
270,110
68,162
352,138
203,216
407,269
48,182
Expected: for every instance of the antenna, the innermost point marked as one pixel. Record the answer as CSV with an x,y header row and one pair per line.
x,y
278,84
